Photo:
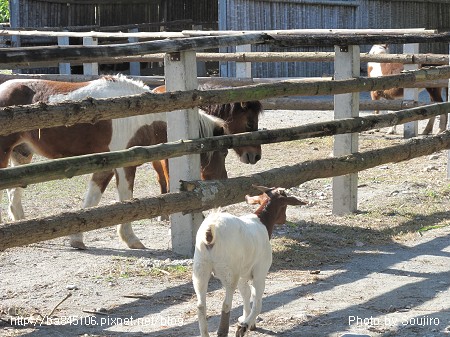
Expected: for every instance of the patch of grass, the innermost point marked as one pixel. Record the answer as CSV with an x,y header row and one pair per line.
x,y
431,227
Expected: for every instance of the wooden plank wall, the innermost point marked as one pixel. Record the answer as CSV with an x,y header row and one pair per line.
x,y
359,14
56,13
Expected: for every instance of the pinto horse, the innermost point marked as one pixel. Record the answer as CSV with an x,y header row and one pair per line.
x,y
382,69
238,116
103,136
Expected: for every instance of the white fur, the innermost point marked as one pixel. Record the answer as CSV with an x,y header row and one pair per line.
x,y
104,88
376,67
241,252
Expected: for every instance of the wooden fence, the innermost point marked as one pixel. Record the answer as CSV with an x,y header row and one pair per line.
x,y
347,162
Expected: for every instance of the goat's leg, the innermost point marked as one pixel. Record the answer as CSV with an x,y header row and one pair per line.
x,y
259,282
125,182
246,292
200,279
97,185
224,325
21,155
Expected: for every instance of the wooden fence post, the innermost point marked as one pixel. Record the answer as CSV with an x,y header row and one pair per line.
x,y
448,123
90,68
244,69
181,74
64,68
135,67
345,188
411,94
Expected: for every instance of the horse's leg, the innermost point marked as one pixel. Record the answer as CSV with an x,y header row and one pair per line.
x,y
162,171
97,185
435,96
21,155
443,121
125,183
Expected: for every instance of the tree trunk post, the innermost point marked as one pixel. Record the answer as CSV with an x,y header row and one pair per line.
x,y
181,74
411,94
346,65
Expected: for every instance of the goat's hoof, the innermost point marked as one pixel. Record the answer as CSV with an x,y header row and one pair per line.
x,y
78,245
136,245
241,330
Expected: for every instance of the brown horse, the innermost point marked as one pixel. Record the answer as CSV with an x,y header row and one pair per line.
x,y
382,69
103,136
239,117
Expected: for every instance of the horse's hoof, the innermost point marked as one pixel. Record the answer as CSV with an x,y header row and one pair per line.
x,y
252,327
136,245
78,245
241,330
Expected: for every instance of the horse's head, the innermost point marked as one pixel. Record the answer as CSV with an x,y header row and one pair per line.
x,y
244,117
239,117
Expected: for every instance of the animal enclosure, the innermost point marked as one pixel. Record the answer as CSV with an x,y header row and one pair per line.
x,y
226,192
309,291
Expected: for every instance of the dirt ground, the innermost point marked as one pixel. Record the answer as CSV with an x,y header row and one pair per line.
x,y
384,271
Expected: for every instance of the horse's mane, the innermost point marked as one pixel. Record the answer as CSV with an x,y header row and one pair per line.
x,y
209,126
104,87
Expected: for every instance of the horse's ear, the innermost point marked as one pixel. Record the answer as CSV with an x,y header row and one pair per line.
x,y
244,105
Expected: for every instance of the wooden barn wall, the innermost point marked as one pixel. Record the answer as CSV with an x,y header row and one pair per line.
x,y
297,14
56,13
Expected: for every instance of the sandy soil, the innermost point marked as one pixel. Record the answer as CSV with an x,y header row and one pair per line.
x,y
384,271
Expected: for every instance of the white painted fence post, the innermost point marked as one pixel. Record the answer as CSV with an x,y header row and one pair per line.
x,y
411,129
90,68
135,67
345,188
244,69
448,125
181,74
64,68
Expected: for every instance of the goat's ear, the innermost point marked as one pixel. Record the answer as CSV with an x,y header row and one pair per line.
x,y
253,200
294,201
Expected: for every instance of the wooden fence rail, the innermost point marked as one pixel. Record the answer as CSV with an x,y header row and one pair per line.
x,y
69,167
16,57
436,59
42,115
203,195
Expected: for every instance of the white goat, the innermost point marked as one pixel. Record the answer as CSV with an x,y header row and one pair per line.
x,y
236,250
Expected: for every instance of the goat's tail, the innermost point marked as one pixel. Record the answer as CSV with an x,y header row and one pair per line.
x,y
210,234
